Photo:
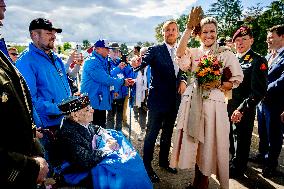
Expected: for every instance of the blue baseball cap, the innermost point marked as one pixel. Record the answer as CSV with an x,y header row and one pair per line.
x,y
103,44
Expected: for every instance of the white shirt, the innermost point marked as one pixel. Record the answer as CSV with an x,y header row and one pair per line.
x,y
169,47
240,55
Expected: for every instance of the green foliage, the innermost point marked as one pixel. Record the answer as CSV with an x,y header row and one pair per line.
x,y
139,43
66,46
229,16
124,49
159,35
86,44
260,21
228,13
147,44
182,20
20,48
193,43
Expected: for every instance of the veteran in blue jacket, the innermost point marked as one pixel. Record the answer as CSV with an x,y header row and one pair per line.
x,y
121,70
44,73
96,81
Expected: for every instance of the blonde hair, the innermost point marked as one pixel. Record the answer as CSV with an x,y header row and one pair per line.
x,y
206,20
167,23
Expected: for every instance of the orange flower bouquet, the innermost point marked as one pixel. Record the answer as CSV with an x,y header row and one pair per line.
x,y
208,73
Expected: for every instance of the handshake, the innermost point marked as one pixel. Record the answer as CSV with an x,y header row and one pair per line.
x,y
129,82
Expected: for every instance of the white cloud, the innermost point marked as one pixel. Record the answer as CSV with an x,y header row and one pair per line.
x,y
120,20
160,8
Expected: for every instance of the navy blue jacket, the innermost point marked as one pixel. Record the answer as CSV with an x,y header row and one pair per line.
x,y
275,90
163,95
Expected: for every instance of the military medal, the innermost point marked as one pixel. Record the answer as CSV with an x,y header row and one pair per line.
x,y
4,97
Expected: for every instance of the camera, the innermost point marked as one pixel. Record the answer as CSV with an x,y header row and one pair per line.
x,y
124,58
78,48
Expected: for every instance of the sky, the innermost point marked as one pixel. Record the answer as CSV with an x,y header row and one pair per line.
x,y
115,20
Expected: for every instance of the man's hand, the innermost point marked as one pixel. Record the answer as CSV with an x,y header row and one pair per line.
x,y
182,87
236,116
129,82
194,17
76,58
115,95
282,117
38,133
43,169
121,65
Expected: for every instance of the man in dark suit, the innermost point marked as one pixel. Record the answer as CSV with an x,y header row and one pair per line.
x,y
274,97
20,163
242,106
163,97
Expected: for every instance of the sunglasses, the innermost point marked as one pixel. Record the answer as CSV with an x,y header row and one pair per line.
x,y
14,54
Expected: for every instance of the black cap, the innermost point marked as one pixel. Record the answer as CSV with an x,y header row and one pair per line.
x,y
114,45
74,103
42,23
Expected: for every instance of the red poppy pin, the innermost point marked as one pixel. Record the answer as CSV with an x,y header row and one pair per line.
x,y
263,67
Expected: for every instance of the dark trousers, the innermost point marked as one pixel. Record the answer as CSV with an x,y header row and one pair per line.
x,y
140,114
157,121
263,128
243,133
275,137
99,118
115,114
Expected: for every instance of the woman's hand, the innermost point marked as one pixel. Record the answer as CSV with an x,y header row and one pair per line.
x,y
226,86
112,144
194,17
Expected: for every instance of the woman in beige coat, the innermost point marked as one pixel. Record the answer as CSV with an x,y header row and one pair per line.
x,y
202,138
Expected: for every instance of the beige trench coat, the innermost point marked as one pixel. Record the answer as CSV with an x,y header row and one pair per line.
x,y
211,150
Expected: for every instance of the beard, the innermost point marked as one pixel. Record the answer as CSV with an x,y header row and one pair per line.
x,y
171,41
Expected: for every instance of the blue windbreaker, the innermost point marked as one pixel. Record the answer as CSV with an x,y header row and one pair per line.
x,y
116,72
96,81
47,82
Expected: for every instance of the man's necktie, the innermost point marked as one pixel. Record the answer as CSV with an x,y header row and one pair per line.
x,y
173,53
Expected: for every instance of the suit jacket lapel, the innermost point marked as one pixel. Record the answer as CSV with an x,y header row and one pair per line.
x,y
167,58
276,60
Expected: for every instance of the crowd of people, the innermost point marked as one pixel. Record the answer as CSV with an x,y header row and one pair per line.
x,y
48,113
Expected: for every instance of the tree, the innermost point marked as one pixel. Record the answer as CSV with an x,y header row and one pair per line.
x,y
139,43
260,21
147,44
66,46
86,44
20,48
159,33
124,49
228,13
